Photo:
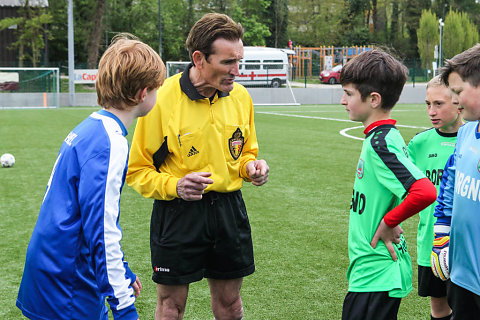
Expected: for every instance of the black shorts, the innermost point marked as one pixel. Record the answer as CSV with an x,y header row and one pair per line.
x,y
464,303
429,285
370,305
210,238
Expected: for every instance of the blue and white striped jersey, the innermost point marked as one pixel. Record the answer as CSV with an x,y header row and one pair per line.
x,y
74,259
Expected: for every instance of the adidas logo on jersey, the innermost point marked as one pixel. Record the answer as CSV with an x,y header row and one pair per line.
x,y
192,152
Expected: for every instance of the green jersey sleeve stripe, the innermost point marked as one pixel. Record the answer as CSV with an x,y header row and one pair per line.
x,y
390,159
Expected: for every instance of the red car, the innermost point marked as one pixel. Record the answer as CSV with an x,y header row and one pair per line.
x,y
331,76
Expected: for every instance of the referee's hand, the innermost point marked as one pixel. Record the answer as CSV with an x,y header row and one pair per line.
x,y
388,236
191,186
258,172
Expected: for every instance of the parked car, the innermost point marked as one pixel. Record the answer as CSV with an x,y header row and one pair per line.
x,y
331,76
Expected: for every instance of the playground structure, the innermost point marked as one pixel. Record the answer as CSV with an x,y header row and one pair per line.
x,y
307,62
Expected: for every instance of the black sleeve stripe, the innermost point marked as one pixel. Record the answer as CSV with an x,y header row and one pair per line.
x,y
160,155
390,159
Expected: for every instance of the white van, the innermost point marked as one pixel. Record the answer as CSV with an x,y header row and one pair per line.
x,y
263,66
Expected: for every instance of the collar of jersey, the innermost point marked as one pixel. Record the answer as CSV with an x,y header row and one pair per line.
x,y
106,113
446,134
189,89
378,123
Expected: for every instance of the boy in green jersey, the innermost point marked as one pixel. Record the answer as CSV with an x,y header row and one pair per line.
x,y
429,151
388,189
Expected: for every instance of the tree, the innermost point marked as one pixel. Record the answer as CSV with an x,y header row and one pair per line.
x,y
96,35
469,7
83,11
31,32
413,10
252,15
453,35
313,23
427,37
394,26
278,11
354,25
470,31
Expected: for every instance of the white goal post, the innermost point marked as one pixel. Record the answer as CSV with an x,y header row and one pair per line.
x,y
29,88
267,80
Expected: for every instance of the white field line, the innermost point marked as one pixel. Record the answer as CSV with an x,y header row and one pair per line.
x,y
342,132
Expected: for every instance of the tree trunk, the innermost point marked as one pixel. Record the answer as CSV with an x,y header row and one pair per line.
x,y
97,32
20,55
394,25
277,24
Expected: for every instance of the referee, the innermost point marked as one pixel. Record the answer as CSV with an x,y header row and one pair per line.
x,y
192,154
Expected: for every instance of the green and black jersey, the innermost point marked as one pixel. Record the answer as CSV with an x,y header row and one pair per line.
x,y
429,151
384,176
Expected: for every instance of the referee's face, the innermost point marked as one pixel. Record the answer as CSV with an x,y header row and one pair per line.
x,y
357,109
221,67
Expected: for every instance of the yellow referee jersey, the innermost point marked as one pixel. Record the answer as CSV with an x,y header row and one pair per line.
x,y
186,132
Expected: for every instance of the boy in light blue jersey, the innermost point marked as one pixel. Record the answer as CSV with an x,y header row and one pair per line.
x,y
74,260
456,250
429,151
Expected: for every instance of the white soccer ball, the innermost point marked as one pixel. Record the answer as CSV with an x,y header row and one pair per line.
x,y
7,160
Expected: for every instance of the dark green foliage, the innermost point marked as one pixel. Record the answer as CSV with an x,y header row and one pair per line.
x,y
308,23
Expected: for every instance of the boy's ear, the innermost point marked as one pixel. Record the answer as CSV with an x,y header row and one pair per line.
x,y
141,94
375,99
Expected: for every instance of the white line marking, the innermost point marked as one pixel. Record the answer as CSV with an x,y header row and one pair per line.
x,y
300,116
342,132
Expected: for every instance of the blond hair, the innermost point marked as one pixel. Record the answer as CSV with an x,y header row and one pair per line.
x,y
436,82
126,67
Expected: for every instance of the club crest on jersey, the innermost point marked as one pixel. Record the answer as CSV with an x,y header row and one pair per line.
x,y
478,166
360,169
235,144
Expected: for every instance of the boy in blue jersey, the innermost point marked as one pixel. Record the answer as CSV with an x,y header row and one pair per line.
x,y
74,260
388,189
456,250
429,151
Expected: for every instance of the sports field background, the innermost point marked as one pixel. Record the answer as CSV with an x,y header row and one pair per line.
x,y
299,218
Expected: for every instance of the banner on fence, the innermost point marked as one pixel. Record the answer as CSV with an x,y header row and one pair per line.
x,y
85,75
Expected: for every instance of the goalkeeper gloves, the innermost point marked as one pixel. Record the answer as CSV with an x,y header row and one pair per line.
x,y
439,256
